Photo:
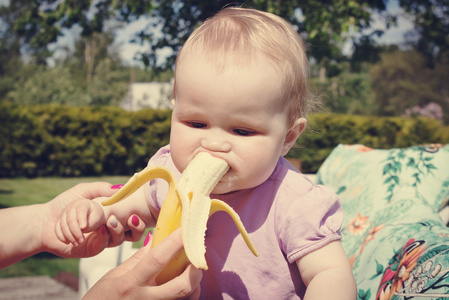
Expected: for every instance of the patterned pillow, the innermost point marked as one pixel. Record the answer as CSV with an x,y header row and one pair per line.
x,y
425,169
405,261
390,199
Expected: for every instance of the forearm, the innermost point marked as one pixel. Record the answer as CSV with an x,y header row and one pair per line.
x,y
19,236
333,283
136,203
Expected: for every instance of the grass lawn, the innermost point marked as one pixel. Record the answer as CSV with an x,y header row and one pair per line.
x,y
22,191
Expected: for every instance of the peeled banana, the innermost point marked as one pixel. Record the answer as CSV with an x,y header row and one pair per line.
x,y
188,205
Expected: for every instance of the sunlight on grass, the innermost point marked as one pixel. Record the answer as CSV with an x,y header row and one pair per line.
x,y
23,191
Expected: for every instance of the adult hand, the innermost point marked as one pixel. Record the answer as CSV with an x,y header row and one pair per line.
x,y
135,278
111,235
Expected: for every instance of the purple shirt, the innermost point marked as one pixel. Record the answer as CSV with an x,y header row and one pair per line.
x,y
286,217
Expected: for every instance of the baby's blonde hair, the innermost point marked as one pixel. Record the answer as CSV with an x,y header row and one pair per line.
x,y
240,33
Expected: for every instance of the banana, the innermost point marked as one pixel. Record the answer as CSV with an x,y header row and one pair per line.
x,y
187,205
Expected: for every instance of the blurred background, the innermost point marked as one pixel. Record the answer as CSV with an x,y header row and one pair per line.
x,y
381,57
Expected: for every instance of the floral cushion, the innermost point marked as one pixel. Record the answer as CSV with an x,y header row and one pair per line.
x,y
397,243
405,261
425,169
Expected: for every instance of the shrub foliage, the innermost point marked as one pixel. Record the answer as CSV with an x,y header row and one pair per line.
x,y
326,131
57,140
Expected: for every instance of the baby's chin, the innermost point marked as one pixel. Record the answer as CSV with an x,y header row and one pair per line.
x,y
222,188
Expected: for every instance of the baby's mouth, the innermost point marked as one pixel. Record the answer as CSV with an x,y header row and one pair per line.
x,y
227,172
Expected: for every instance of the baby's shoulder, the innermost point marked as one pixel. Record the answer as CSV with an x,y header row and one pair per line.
x,y
293,185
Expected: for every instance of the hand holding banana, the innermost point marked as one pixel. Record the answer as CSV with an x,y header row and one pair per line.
x,y
188,205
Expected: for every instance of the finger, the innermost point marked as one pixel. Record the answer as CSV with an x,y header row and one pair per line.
x,y
195,275
136,229
155,260
196,293
116,231
59,233
95,216
94,190
187,283
73,217
182,286
66,232
80,214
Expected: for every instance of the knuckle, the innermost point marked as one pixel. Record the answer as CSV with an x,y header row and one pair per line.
x,y
72,221
123,288
157,260
184,288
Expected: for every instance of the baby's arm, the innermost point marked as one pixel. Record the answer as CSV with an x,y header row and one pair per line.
x,y
327,273
137,203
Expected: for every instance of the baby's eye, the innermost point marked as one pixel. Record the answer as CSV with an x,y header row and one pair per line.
x,y
196,124
244,132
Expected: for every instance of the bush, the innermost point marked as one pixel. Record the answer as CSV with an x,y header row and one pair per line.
x,y
326,131
57,140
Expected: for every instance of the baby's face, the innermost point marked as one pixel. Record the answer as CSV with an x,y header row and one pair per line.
x,y
236,114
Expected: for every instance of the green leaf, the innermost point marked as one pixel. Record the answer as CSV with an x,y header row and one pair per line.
x,y
379,268
411,162
388,179
433,252
341,190
386,168
431,166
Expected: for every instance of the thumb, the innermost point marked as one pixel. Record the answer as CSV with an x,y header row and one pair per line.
x,y
154,260
95,218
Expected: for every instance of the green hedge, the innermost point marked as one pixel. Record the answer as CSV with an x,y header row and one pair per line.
x,y
73,141
56,140
326,131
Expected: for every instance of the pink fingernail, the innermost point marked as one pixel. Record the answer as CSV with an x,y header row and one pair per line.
x,y
135,221
147,239
116,187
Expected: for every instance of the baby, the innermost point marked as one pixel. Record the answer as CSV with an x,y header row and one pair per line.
x,y
241,94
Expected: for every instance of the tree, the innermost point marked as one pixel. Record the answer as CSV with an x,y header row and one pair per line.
x,y
401,80
48,85
431,19
91,75
38,23
326,25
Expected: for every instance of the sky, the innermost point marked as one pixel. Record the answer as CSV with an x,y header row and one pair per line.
x,y
128,50
395,33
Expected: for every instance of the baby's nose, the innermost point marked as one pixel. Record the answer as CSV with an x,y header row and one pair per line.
x,y
216,142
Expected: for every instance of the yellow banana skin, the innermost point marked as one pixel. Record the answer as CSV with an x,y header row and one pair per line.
x,y
171,216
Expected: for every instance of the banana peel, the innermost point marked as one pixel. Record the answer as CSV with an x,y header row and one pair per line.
x,y
187,205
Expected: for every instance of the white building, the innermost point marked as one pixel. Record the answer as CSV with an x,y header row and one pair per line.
x,y
148,94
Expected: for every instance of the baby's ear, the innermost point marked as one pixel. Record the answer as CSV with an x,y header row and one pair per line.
x,y
293,134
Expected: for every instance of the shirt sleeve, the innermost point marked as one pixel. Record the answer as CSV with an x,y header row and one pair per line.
x,y
158,188
309,222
